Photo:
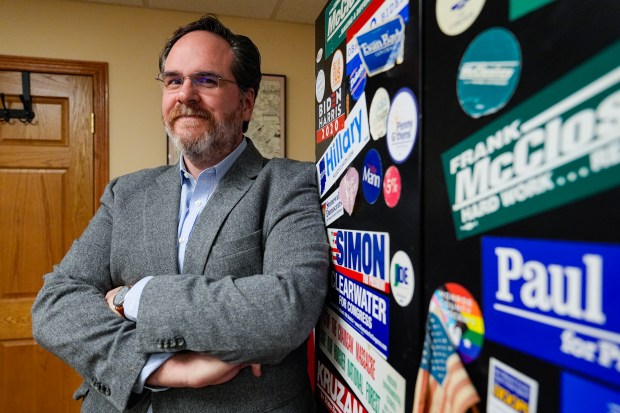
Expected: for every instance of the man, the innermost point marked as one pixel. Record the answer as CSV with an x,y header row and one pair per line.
x,y
171,303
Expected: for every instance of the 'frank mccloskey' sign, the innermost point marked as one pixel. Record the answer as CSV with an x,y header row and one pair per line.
x,y
560,145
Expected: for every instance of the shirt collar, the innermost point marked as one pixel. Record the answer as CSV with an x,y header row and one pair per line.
x,y
221,168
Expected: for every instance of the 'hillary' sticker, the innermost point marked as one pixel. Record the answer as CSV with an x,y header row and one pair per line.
x,y
345,146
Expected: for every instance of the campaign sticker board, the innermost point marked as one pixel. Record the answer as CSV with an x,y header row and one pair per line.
x,y
561,293
559,146
365,192
379,387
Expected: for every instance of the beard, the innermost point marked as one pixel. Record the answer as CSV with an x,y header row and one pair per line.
x,y
204,141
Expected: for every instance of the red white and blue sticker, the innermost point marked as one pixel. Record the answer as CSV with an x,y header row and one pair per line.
x,y
563,293
363,256
367,311
372,176
382,47
489,72
377,14
345,146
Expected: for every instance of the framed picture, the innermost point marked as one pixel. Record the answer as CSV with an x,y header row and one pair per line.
x,y
267,128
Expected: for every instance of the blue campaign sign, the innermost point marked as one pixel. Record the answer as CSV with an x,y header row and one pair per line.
x,y
367,311
555,300
579,396
381,48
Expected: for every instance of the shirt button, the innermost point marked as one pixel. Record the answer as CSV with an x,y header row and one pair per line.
x,y
198,203
181,240
186,175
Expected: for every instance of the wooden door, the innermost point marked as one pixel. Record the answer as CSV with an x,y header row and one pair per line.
x,y
48,188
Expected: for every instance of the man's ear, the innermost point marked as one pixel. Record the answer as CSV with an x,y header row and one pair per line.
x,y
248,104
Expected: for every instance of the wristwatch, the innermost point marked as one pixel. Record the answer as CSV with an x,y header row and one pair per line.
x,y
119,300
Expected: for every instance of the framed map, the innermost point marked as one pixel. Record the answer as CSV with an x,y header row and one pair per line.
x,y
267,128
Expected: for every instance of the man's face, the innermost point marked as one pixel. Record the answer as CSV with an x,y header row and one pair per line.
x,y
201,120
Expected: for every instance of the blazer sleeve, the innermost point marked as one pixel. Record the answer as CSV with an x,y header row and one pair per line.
x,y
257,318
71,319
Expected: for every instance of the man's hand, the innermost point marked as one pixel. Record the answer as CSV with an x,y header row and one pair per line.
x,y
110,296
196,370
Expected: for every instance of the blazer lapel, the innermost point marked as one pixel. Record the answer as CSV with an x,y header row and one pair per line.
x,y
161,217
228,193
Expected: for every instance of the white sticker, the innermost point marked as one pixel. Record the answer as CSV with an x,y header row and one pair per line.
x,y
319,86
510,391
377,117
456,16
337,70
402,278
332,208
319,55
402,125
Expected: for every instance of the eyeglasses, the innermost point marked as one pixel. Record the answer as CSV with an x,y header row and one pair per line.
x,y
172,81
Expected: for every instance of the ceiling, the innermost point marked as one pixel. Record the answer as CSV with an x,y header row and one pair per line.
x,y
292,11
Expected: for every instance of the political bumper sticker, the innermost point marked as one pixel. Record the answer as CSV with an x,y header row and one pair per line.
x,y
332,208
364,309
382,47
334,394
345,146
339,16
378,13
379,387
510,391
562,293
330,112
561,145
363,256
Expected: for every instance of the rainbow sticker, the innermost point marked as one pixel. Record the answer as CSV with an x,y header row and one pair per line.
x,y
461,317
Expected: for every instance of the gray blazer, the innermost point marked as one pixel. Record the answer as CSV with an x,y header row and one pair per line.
x,y
252,288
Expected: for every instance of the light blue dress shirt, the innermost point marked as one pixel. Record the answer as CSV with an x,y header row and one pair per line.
x,y
195,194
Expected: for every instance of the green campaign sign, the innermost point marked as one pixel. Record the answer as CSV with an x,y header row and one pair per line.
x,y
561,145
339,16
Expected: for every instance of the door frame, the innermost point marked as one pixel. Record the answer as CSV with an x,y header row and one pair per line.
x,y
99,73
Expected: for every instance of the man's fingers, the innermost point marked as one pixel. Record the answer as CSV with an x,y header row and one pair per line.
x,y
257,370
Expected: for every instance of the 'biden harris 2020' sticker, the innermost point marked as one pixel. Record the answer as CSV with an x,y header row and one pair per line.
x,y
489,72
